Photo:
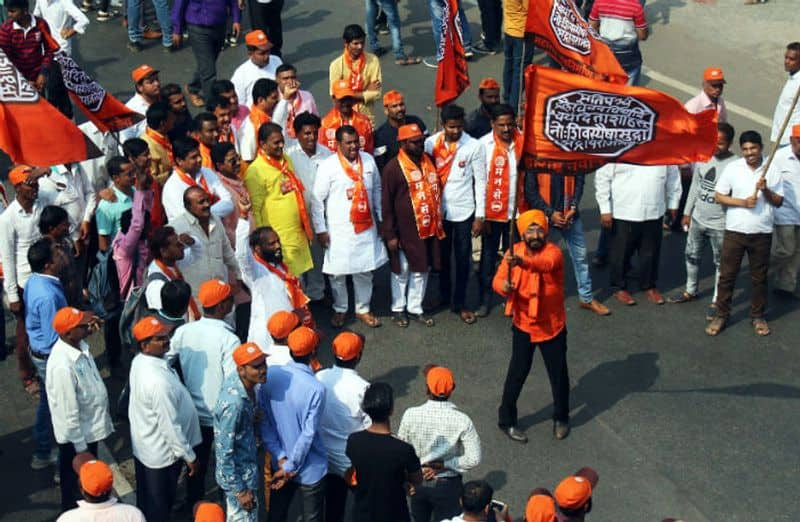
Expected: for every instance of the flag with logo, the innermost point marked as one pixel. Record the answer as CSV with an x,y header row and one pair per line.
x,y
558,28
452,77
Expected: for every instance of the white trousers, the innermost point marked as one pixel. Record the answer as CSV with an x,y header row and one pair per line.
x,y
408,288
362,287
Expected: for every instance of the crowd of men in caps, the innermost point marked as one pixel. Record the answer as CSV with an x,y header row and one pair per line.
x,y
201,247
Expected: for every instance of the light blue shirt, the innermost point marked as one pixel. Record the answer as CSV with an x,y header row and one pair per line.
x,y
109,213
292,400
43,297
235,438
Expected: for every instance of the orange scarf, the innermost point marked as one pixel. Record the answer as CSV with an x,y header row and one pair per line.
x,y
444,152
284,168
360,213
356,69
258,118
423,188
205,154
161,140
227,138
174,274
294,108
543,180
213,198
294,289
334,119
498,182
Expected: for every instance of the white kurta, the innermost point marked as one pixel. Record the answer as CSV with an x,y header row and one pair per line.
x,y
247,74
348,252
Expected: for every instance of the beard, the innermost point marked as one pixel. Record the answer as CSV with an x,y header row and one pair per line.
x,y
535,244
273,256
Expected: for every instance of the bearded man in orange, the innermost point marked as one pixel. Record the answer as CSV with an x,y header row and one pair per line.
x,y
343,113
412,224
360,69
531,278
278,200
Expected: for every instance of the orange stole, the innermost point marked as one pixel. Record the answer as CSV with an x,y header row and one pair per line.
x,y
444,152
423,187
498,181
360,213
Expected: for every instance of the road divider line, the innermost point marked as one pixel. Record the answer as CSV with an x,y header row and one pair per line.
x,y
122,487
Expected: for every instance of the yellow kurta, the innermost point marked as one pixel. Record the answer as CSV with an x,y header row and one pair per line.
x,y
159,159
372,71
279,211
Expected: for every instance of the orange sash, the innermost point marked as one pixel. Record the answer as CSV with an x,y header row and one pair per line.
x,y
356,69
334,119
174,274
423,188
258,118
294,108
205,154
283,167
203,184
360,213
444,152
227,138
294,289
543,180
498,181
161,140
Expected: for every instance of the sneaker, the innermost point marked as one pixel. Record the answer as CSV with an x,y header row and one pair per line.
x,y
103,16
38,463
382,29
233,41
167,49
430,61
86,6
134,47
482,48
468,53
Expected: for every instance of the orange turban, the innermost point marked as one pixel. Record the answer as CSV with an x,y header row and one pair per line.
x,y
440,381
392,97
529,218
540,508
409,131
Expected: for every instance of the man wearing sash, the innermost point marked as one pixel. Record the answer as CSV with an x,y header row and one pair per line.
x,y
360,69
298,101
265,100
343,113
278,199
205,130
159,122
345,210
412,224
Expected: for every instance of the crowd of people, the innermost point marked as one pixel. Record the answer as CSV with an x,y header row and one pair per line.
x,y
203,245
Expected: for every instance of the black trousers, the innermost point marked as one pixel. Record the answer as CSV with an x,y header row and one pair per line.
x,y
242,316
490,242
206,43
554,354
267,17
155,490
642,237
313,501
113,342
70,489
335,497
196,484
458,244
438,498
491,21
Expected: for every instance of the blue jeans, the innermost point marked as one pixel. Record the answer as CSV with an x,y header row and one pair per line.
x,y
513,48
135,23
392,17
696,240
43,426
576,242
437,12
634,75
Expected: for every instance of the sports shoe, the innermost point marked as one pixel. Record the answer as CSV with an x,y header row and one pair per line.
x,y
430,61
482,48
134,47
38,463
103,16
468,53
86,6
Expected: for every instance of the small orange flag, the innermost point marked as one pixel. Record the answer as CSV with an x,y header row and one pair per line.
x,y
452,77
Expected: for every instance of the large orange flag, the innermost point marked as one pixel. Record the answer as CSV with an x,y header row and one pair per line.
x,y
452,77
558,29
574,124
32,131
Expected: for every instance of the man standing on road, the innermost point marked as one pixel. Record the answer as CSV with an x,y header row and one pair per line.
x,y
265,102
786,248
298,101
160,120
360,69
386,144
622,24
791,64
343,113
148,91
531,278
205,130
479,122
711,95
259,65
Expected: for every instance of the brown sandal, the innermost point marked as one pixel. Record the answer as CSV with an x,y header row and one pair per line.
x,y
337,319
468,316
33,387
408,60
195,99
369,319
715,326
761,327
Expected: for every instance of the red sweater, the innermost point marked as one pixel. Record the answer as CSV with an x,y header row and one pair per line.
x,y
31,52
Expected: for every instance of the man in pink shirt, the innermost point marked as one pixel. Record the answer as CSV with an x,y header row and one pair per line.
x,y
298,101
239,112
711,95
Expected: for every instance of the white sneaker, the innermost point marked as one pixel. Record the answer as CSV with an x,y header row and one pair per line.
x,y
431,61
38,464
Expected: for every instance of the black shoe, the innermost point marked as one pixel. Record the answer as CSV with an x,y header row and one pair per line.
x,y
515,434
599,262
482,311
425,319
560,430
482,48
134,47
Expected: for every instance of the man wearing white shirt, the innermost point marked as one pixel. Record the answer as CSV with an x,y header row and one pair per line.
x,y
461,166
786,245
189,173
163,422
99,503
205,351
77,396
259,64
791,64
148,91
632,202
345,210
751,199
65,20
267,107
341,416
167,251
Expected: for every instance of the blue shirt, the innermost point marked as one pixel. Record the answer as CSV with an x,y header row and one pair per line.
x,y
235,438
203,12
108,213
292,400
43,297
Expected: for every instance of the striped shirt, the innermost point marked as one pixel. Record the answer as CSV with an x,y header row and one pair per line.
x,y
619,20
27,47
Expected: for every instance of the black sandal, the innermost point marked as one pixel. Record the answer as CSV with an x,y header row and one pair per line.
x,y
400,319
427,320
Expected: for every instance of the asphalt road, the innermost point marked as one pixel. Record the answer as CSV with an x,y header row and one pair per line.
x,y
676,423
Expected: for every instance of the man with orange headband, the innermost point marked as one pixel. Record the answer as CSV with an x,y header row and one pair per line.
x,y
531,278
386,144
479,121
344,113
360,69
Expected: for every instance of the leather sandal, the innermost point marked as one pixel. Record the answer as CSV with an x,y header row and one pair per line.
x,y
369,319
761,327
400,319
468,316
716,326
337,319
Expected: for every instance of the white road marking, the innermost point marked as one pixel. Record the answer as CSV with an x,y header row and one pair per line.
x,y
121,484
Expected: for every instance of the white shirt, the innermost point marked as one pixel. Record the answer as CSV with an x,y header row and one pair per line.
x,y
782,108
18,231
61,14
109,511
247,138
163,420
342,413
637,192
95,168
205,349
306,166
787,164
464,193
247,74
278,355
348,252
739,181
172,194
77,397
487,142
140,105
72,191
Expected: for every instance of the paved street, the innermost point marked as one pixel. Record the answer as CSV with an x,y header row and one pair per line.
x,y
677,424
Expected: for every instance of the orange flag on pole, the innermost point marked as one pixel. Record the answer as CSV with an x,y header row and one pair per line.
x,y
32,131
573,122
558,28
452,77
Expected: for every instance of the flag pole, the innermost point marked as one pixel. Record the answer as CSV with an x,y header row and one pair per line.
x,y
777,144
511,222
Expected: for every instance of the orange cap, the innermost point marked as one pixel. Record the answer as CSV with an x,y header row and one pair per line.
x,y
213,292
19,174
713,74
68,318
540,508
529,218
392,97
347,346
247,353
150,327
257,38
488,83
341,89
573,492
208,512
796,131
409,131
281,324
96,477
303,341
142,72
440,381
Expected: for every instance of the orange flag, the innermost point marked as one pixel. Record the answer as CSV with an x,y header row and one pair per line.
x,y
558,29
32,131
452,77
573,122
